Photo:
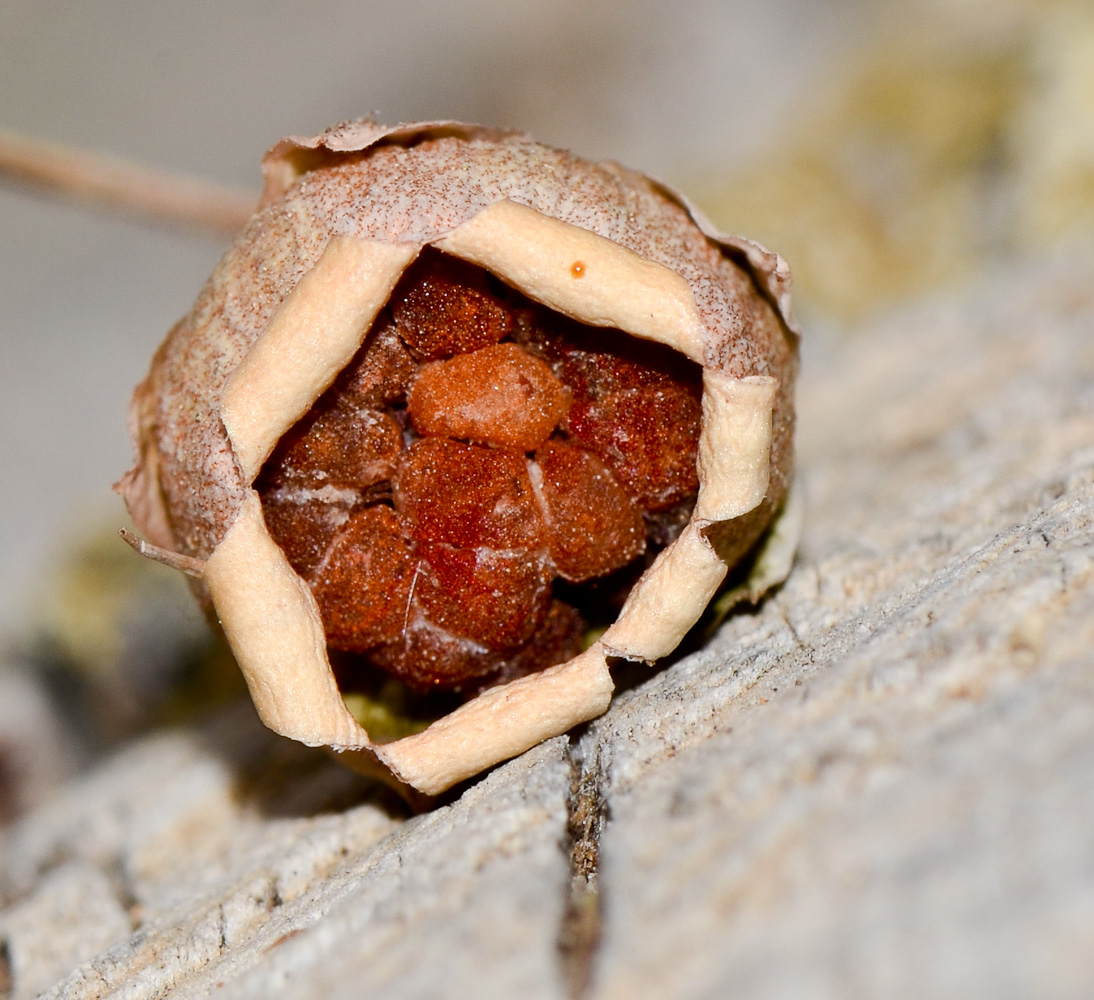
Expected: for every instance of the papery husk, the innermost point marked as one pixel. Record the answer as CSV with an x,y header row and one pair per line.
x,y
342,215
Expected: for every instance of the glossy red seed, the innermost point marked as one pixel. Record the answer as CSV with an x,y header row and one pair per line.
x,y
467,496
497,395
363,588
593,527
444,306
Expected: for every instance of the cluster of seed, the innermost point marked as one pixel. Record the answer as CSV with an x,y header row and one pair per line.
x,y
477,450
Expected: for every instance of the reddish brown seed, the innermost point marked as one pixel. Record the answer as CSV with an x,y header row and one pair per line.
x,y
363,588
558,639
380,374
303,528
597,363
444,306
452,589
593,527
426,657
648,437
664,526
596,374
351,449
496,395
467,495
495,598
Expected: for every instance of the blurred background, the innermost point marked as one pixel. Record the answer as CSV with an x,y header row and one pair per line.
x,y
885,150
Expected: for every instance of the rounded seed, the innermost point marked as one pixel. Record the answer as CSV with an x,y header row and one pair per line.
x,y
496,395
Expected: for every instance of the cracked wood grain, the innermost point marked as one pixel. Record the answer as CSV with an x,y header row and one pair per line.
x,y
7,979
876,783
582,916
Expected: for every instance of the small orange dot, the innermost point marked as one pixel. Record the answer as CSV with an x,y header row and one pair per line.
x,y
577,268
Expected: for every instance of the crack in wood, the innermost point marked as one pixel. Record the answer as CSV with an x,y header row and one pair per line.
x,y
580,929
11,798
7,974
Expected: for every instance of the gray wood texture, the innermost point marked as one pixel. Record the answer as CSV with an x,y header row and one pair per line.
x,y
879,783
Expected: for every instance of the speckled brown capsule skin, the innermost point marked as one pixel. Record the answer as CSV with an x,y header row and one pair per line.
x,y
342,217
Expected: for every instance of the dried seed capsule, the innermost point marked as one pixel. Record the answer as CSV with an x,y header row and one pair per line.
x,y
338,363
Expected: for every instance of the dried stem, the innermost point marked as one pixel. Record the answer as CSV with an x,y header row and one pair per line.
x,y
93,177
175,560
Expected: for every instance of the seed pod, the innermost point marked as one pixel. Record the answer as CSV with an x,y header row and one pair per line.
x,y
442,366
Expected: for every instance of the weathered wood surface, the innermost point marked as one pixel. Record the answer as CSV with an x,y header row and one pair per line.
x,y
880,783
